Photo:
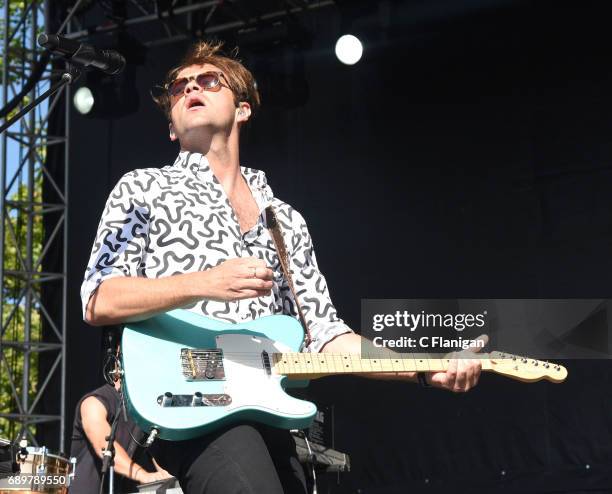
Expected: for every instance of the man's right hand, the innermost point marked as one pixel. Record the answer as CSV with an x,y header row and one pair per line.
x,y
240,278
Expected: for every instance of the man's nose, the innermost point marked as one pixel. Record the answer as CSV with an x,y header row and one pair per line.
x,y
192,85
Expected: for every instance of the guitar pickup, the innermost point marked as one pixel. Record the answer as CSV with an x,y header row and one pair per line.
x,y
169,400
202,364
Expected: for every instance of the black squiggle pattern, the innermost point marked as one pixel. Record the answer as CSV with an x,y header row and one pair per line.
x,y
211,244
165,221
170,237
171,261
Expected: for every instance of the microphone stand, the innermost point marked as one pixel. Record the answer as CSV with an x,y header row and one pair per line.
x,y
108,461
71,74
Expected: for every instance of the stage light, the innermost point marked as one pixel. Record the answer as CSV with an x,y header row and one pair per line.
x,y
349,49
83,100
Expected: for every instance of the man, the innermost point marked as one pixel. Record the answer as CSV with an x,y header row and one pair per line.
x,y
193,235
94,415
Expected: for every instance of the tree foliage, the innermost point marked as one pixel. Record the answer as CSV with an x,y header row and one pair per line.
x,y
19,42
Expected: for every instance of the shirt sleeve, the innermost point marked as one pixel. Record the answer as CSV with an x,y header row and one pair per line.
x,y
120,243
311,289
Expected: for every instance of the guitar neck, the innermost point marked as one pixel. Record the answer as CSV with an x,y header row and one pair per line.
x,y
315,365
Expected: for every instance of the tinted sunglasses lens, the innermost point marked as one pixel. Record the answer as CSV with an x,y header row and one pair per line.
x,y
177,86
208,80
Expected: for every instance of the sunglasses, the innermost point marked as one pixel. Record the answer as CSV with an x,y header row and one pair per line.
x,y
208,81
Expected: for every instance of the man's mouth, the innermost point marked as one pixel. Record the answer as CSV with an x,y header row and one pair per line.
x,y
194,104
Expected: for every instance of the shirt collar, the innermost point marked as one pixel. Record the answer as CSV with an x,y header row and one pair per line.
x,y
256,179
198,164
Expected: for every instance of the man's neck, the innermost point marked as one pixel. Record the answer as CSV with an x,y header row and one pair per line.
x,y
226,166
224,161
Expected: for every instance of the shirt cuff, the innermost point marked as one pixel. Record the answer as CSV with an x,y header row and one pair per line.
x,y
91,284
321,335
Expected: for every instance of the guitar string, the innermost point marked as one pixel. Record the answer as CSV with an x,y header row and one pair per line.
x,y
381,364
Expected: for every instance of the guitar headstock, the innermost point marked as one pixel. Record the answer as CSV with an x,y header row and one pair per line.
x,y
526,369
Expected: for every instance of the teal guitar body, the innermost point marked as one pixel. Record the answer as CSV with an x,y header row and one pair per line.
x,y
186,375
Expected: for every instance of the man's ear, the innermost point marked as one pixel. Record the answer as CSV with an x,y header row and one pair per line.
x,y
243,112
171,132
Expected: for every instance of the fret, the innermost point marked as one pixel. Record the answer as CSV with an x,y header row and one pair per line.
x,y
366,365
397,364
383,364
337,359
307,363
283,368
292,363
311,360
301,363
324,365
356,363
440,365
295,362
387,365
316,363
390,358
346,363
376,366
421,364
301,358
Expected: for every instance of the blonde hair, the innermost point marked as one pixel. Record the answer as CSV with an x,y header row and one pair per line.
x,y
239,78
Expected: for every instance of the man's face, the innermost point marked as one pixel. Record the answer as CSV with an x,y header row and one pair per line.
x,y
196,110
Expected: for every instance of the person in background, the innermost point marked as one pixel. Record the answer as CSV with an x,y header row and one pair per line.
x,y
94,416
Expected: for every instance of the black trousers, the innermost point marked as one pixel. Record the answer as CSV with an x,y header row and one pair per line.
x,y
242,459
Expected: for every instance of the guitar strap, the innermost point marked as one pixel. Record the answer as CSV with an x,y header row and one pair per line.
x,y
281,250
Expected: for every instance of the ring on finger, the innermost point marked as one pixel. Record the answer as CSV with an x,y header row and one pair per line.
x,y
254,272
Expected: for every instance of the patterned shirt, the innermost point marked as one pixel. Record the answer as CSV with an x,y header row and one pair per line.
x,y
178,219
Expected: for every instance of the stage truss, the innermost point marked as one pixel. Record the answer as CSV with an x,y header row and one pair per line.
x,y
24,245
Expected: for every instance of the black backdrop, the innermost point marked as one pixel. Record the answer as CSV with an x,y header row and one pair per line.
x,y
466,155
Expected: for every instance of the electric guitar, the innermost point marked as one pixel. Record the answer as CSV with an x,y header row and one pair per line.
x,y
186,374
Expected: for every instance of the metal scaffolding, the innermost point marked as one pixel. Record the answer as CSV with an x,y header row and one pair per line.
x,y
24,242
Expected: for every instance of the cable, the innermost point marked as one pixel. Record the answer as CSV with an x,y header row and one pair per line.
x,y
123,406
106,370
311,459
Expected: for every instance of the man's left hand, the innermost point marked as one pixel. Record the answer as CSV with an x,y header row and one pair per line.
x,y
463,372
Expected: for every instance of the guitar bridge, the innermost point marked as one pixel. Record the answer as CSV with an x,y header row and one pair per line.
x,y
202,364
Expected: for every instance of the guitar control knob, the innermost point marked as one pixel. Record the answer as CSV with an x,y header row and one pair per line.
x,y
167,399
196,400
